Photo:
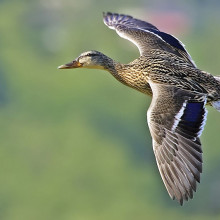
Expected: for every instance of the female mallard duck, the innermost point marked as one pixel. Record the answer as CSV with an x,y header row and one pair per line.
x,y
179,91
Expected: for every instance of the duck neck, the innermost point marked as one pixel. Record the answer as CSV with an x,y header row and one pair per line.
x,y
115,68
122,72
127,73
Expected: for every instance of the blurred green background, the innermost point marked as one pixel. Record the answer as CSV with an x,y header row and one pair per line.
x,y
75,144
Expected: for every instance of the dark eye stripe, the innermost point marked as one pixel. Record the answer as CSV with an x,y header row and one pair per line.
x,y
91,54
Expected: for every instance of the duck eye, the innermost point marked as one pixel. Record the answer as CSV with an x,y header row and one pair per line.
x,y
91,54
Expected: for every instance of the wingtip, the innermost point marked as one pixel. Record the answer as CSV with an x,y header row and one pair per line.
x,y
106,13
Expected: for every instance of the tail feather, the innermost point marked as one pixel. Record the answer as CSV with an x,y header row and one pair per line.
x,y
216,104
217,78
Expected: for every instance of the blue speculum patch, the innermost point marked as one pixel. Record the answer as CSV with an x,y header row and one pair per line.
x,y
193,112
169,39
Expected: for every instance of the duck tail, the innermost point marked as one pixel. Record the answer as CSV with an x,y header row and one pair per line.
x,y
217,78
216,104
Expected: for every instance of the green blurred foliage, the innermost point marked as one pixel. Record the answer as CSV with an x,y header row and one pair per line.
x,y
75,144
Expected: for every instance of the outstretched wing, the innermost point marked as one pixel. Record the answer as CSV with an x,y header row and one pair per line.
x,y
176,119
145,35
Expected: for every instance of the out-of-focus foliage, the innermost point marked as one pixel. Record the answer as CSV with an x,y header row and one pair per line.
x,y
75,144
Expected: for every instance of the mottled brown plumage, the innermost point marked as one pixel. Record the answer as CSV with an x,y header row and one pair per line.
x,y
179,91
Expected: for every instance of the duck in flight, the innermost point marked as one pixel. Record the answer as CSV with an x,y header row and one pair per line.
x,y
179,90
